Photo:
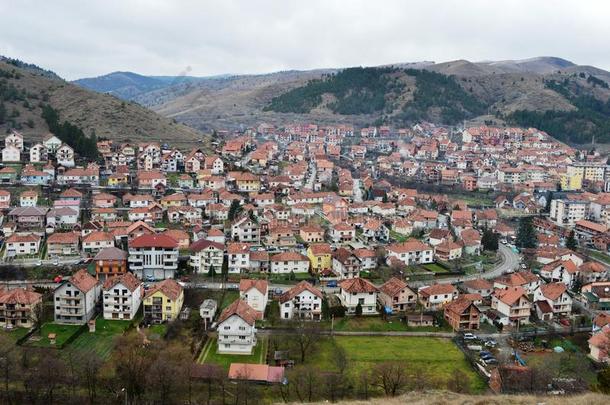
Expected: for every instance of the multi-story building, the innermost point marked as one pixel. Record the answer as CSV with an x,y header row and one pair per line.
x,y
110,262
237,329
356,292
462,314
437,296
303,301
410,252
566,212
122,296
255,293
246,229
163,302
153,257
65,156
238,256
19,308
556,296
395,295
206,255
289,262
75,299
512,305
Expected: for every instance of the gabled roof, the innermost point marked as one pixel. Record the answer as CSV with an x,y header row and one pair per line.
x,y
357,285
460,305
83,280
111,253
289,257
437,289
128,280
510,295
204,244
298,289
169,287
478,284
19,296
393,286
240,308
246,284
156,240
553,291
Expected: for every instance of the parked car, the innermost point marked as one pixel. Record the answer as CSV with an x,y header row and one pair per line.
x,y
469,336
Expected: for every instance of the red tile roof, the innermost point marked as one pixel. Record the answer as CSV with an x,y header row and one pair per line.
x,y
156,240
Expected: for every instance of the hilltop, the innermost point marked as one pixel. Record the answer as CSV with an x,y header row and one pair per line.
x,y
510,92
25,89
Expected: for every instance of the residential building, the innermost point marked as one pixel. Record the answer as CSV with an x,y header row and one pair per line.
x,y
206,255
237,329
19,308
75,299
462,314
153,257
356,292
512,305
396,296
163,302
255,293
110,262
436,296
289,262
303,301
122,296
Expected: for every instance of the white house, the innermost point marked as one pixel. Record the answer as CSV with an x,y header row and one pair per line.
x,y
52,143
287,262
410,252
512,306
38,153
245,229
22,245
205,255
11,154
122,296
303,301
75,299
153,256
356,291
436,296
65,156
556,296
255,293
238,256
236,328
14,140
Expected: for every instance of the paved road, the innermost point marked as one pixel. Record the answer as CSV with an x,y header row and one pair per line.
x,y
509,262
357,191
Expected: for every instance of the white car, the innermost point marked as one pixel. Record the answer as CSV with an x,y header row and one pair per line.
x,y
469,336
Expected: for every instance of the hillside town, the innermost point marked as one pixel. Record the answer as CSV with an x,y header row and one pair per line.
x,y
495,239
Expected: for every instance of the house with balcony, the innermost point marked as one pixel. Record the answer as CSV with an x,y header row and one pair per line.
x,y
436,296
358,291
122,296
512,306
19,308
303,301
397,296
110,262
205,255
237,328
75,299
289,262
17,244
462,314
238,256
246,229
63,244
410,252
346,264
153,257
163,302
553,296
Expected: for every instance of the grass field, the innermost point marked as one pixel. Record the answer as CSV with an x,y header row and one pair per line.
x,y
439,357
14,334
209,354
101,342
63,333
435,268
377,324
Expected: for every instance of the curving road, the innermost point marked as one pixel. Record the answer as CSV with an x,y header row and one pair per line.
x,y
509,262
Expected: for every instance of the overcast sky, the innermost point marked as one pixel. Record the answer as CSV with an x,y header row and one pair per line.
x,y
170,37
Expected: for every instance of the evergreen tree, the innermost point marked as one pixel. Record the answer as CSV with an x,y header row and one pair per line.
x,y
359,309
325,309
526,234
489,240
212,272
234,210
225,269
571,242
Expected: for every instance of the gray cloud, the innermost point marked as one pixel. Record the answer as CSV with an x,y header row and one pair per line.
x,y
89,38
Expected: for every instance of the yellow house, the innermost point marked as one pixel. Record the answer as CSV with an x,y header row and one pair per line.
x,y
163,302
117,179
247,182
571,181
320,256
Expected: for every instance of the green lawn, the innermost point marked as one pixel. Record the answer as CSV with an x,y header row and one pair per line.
x,y
377,324
228,298
438,357
210,354
14,334
399,237
435,268
102,340
63,333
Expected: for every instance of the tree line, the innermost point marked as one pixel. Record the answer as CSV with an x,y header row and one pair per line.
x,y
83,145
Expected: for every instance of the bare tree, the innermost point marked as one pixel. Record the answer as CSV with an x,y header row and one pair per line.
x,y
305,380
390,376
306,335
89,369
167,375
131,361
